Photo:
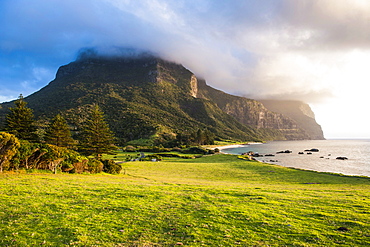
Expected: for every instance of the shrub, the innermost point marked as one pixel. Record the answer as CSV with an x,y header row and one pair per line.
x,y
80,167
154,156
73,162
169,155
130,149
94,166
111,167
9,145
153,149
194,150
67,167
176,149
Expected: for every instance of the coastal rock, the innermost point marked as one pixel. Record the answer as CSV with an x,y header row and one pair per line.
x,y
342,158
312,150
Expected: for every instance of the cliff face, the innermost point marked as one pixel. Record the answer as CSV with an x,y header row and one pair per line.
x,y
289,121
300,112
142,96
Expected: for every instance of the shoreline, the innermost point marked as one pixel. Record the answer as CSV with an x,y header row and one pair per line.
x,y
229,146
232,146
236,145
324,161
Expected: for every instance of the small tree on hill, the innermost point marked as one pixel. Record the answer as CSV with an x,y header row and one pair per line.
x,y
20,120
58,133
97,138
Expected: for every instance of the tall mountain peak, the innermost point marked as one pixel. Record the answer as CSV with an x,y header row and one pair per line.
x,y
143,95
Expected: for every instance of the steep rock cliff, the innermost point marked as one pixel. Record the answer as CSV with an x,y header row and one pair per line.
x,y
300,112
290,123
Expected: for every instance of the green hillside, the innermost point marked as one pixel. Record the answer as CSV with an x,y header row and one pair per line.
x,y
144,96
140,97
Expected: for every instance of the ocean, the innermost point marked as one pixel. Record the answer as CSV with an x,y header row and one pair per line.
x,y
357,152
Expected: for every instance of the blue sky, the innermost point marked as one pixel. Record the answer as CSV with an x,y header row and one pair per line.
x,y
317,51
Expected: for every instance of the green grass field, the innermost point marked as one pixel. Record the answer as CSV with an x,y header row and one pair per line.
x,y
217,200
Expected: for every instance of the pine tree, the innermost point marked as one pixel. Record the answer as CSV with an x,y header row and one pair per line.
x,y
209,137
58,133
199,137
97,138
20,121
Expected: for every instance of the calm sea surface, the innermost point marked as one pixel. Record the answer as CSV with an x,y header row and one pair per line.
x,y
357,152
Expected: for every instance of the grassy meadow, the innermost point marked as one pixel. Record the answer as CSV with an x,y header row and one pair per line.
x,y
216,200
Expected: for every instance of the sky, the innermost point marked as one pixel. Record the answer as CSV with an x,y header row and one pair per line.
x,y
316,51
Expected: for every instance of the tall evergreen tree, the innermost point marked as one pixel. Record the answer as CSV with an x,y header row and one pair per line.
x,y
20,121
209,137
97,138
58,133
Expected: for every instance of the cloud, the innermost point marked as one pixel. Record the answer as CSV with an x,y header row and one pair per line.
x,y
341,24
272,48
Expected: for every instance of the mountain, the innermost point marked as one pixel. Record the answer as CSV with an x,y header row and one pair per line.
x,y
300,112
293,119
143,96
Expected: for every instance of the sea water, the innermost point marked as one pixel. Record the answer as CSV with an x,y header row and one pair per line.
x,y
357,152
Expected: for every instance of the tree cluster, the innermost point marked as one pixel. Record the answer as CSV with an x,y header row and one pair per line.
x,y
199,137
20,146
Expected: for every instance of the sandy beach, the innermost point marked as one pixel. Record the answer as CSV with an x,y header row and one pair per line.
x,y
230,146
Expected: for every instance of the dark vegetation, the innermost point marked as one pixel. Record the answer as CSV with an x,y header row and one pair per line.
x,y
24,147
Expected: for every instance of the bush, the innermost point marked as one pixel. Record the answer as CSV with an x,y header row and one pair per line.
x,y
169,155
129,149
195,150
67,167
73,162
80,167
154,156
9,145
95,166
176,149
154,149
111,167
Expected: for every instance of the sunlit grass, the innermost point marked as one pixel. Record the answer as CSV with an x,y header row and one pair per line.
x,y
216,200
